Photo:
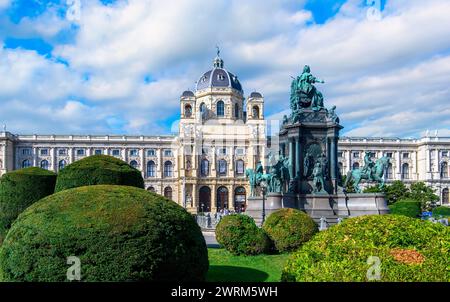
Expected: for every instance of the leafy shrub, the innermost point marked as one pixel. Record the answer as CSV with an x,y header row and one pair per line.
x,y
289,229
19,189
409,250
119,233
441,211
406,207
239,234
98,170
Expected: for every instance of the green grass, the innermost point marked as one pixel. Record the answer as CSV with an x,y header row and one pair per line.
x,y
225,267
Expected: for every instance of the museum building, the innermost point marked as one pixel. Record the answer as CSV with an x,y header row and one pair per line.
x,y
221,134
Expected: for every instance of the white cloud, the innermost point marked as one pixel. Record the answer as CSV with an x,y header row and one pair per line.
x,y
387,77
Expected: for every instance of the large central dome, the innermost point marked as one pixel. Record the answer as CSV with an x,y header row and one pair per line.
x,y
218,77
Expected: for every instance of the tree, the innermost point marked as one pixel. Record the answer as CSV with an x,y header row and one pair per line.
x,y
396,191
424,194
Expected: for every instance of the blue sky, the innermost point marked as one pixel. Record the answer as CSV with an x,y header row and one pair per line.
x,y
120,66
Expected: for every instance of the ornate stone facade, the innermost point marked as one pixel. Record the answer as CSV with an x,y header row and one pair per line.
x,y
221,134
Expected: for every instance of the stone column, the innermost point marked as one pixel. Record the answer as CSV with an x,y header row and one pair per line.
x,y
141,154
35,156
291,158
231,198
399,164
214,199
159,167
195,197
53,165
70,155
333,158
297,158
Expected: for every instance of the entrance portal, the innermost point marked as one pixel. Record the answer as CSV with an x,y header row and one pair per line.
x,y
205,199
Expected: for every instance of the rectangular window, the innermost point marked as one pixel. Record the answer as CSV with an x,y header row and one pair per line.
x,y
222,167
222,151
44,152
205,151
62,152
444,153
151,152
355,154
116,152
26,151
98,152
389,154
240,167
405,155
240,151
80,152
167,152
134,152
340,154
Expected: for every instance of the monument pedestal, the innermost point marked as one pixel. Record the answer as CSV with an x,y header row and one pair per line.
x,y
256,206
366,204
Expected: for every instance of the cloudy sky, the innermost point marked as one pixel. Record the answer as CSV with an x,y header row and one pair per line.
x,y
119,67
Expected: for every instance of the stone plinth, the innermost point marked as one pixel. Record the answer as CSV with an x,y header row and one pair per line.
x,y
317,205
273,202
366,204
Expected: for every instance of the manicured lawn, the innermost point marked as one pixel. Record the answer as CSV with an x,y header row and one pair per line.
x,y
223,266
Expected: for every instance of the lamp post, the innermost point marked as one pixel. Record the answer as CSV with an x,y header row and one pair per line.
x,y
263,185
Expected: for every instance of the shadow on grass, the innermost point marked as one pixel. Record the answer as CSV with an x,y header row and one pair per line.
x,y
235,274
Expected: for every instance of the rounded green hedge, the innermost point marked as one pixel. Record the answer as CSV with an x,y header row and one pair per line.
x,y
239,235
289,229
119,233
406,207
19,189
408,249
441,211
98,170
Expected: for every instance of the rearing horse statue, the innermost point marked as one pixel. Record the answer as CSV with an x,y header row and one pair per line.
x,y
375,174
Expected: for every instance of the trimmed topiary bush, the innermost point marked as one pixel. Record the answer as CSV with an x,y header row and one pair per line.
x,y
407,207
119,233
98,170
289,229
408,250
239,235
19,189
441,211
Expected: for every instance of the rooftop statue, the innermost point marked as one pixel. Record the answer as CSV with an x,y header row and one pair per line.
x,y
372,171
304,94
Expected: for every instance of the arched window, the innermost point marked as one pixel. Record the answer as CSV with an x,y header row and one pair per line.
x,y
203,110
204,167
168,193
134,164
240,167
355,166
405,171
239,199
168,169
220,108
236,111
389,172
444,170
222,198
151,169
222,167
151,189
445,196
44,164
255,112
62,164
26,163
187,110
